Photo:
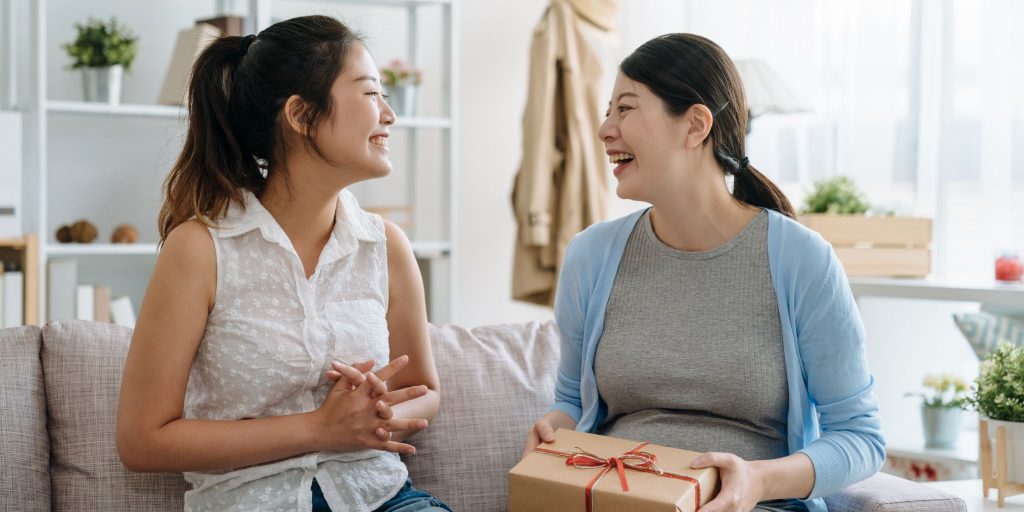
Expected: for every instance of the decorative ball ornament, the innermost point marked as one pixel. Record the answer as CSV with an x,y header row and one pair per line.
x,y
125,234
64,235
83,232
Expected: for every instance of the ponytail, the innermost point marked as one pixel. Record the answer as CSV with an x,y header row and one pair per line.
x,y
236,92
752,187
211,169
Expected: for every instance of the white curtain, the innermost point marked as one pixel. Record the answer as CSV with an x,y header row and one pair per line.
x,y
919,101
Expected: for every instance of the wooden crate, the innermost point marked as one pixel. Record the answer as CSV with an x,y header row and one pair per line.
x,y
877,246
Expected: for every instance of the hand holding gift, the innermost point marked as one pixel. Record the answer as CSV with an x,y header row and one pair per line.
x,y
742,485
543,431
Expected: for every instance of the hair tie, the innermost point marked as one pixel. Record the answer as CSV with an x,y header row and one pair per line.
x,y
743,164
246,43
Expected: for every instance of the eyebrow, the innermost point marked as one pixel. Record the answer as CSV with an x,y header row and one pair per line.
x,y
366,77
624,94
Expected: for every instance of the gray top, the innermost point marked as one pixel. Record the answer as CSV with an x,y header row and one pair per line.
x,y
691,355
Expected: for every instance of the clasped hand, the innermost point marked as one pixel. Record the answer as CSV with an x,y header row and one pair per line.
x,y
357,413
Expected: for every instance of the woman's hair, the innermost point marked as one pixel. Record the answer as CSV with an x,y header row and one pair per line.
x,y
686,69
236,92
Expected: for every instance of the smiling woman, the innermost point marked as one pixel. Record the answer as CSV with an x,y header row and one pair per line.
x,y
270,276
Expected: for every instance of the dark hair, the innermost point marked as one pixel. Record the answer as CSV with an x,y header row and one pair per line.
x,y
236,92
687,69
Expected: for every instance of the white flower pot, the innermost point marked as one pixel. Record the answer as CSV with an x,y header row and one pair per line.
x,y
102,85
941,426
403,100
1014,447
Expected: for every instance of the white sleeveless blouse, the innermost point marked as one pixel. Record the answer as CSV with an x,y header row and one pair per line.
x,y
269,340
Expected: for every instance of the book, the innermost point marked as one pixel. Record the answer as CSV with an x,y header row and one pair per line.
x,y
13,296
62,278
191,42
84,297
101,304
122,313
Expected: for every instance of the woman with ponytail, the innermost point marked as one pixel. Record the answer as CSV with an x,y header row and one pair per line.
x,y
259,363
711,321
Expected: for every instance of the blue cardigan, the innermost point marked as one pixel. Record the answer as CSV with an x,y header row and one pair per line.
x,y
833,414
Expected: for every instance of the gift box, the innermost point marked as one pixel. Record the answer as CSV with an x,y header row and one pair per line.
x,y
591,473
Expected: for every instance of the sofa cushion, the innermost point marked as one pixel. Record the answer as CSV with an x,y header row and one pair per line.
x,y
887,493
82,365
24,445
495,382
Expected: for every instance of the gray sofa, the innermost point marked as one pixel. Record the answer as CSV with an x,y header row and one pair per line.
x,y
59,391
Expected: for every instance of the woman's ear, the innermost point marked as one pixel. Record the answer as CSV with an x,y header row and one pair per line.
x,y
295,114
700,122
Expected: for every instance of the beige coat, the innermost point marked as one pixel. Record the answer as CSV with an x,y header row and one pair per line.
x,y
562,181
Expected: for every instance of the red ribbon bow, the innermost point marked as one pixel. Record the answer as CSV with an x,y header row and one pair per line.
x,y
647,462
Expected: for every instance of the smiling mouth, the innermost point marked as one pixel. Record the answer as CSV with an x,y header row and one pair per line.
x,y
621,158
379,140
621,161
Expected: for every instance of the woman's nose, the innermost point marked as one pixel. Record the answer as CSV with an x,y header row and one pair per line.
x,y
607,132
387,116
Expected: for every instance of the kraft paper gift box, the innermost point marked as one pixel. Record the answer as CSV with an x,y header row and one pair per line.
x,y
581,472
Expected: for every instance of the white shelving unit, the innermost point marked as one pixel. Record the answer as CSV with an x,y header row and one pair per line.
x,y
436,255
939,289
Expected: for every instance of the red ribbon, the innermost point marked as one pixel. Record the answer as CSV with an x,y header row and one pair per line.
x,y
647,462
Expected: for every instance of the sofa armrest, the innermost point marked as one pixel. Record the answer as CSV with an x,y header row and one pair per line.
x,y
887,493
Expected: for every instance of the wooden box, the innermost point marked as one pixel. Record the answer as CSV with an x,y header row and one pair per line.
x,y
877,246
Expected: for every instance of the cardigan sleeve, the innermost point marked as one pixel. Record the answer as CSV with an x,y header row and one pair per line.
x,y
830,337
569,316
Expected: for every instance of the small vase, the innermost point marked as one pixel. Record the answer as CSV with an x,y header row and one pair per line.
x,y
102,84
1014,447
941,426
403,100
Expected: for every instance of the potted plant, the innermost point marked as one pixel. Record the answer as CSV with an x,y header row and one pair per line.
x,y
103,50
998,396
868,245
402,82
942,405
837,195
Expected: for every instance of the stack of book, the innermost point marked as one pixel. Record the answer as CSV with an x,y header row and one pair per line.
x,y
69,299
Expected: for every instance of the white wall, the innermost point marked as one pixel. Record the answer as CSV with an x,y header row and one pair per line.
x,y
495,46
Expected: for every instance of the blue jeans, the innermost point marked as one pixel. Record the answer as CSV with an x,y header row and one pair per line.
x,y
408,499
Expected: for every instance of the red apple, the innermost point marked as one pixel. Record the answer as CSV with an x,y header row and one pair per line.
x,y
1009,269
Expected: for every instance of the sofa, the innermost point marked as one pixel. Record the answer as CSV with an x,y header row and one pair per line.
x,y
59,392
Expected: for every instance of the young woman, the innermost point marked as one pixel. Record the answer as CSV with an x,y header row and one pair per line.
x,y
271,278
711,321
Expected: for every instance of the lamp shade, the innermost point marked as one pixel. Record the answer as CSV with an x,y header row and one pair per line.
x,y
767,92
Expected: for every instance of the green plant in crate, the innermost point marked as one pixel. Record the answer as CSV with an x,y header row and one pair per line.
x,y
102,43
837,195
999,389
